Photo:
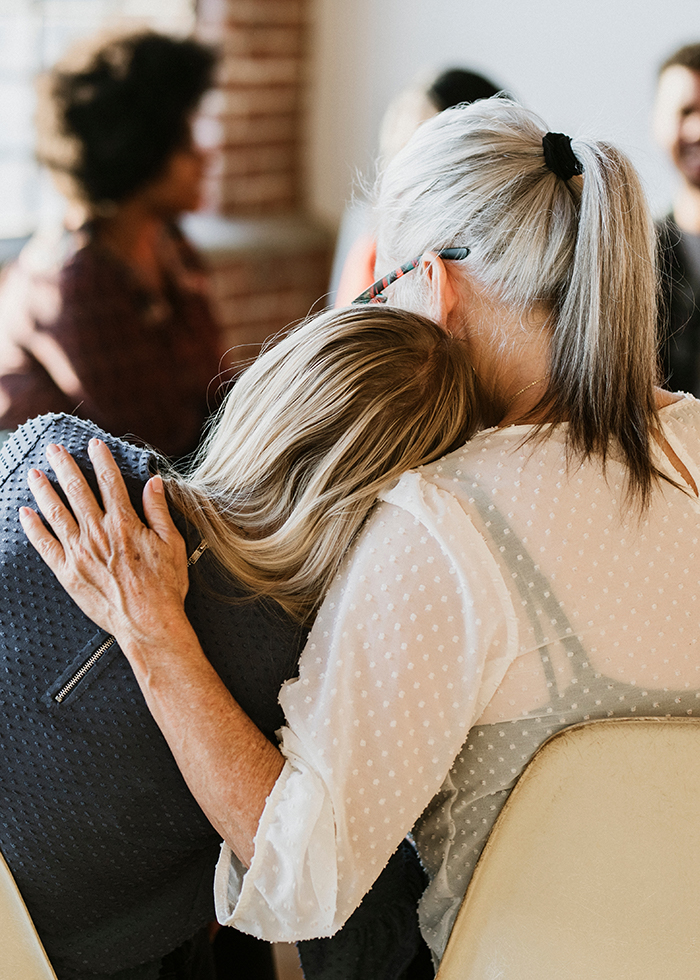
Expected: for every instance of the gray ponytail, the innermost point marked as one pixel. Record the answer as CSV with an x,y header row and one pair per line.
x,y
476,176
603,363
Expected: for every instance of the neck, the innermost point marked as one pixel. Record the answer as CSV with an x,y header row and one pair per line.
x,y
510,353
132,233
523,401
686,208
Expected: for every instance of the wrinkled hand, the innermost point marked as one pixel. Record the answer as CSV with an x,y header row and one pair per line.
x,y
128,578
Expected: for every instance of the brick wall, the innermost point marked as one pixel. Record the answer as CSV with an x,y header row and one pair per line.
x,y
270,261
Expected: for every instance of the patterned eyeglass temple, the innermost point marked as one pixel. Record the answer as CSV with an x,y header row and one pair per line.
x,y
373,293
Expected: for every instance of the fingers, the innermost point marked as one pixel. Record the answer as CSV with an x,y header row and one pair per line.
x,y
108,561
110,481
56,513
79,495
87,516
41,539
155,507
82,500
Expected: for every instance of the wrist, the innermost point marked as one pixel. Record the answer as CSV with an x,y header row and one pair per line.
x,y
150,646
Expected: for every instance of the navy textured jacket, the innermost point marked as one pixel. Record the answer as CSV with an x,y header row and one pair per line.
x,y
111,852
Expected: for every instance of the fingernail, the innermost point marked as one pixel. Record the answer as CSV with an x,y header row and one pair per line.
x,y
157,483
52,450
24,513
33,475
94,443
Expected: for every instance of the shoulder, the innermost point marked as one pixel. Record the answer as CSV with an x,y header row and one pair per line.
x,y
57,267
668,234
669,238
492,449
27,445
665,398
680,407
51,249
667,229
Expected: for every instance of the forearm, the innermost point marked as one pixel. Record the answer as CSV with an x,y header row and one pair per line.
x,y
394,673
131,580
228,764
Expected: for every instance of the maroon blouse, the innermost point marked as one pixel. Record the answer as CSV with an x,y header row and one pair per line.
x,y
79,333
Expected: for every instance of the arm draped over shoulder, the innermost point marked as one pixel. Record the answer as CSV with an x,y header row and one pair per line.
x,y
410,643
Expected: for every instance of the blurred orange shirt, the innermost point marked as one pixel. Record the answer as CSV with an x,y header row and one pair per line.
x,y
358,270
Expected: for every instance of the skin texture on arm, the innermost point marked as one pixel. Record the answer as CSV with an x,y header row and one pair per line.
x,y
228,764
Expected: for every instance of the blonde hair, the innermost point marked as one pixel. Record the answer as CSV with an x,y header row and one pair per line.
x,y
311,433
475,176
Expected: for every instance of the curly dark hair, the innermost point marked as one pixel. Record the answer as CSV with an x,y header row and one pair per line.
x,y
110,114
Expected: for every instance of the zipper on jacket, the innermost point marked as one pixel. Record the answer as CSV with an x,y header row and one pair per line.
x,y
77,677
82,671
197,553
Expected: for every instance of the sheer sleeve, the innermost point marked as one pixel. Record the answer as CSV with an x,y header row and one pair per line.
x,y
411,641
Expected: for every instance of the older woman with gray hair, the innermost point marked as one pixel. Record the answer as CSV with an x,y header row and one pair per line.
x,y
541,575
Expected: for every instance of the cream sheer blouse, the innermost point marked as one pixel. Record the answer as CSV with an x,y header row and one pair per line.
x,y
493,597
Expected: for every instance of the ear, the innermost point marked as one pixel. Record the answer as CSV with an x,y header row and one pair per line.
x,y
443,292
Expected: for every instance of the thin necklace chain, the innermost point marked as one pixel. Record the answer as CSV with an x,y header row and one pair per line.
x,y
520,392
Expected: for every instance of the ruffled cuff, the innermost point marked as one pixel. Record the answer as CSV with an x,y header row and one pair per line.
x,y
290,890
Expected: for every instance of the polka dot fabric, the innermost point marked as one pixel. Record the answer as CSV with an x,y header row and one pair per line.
x,y
494,597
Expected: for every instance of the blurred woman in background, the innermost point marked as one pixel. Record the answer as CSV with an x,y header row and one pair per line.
x,y
109,317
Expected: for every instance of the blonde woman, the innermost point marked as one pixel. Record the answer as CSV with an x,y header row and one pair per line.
x,y
112,854
542,574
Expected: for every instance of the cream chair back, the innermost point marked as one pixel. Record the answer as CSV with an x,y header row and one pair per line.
x,y
22,957
592,870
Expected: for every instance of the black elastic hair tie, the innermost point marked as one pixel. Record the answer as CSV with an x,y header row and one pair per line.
x,y
559,156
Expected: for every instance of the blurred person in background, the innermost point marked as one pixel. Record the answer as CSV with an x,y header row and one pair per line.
x,y
677,130
108,317
356,249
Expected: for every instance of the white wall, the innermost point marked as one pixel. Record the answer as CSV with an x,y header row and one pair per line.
x,y
586,68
